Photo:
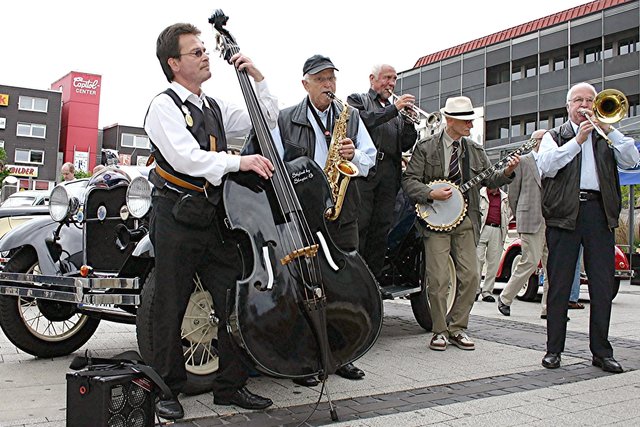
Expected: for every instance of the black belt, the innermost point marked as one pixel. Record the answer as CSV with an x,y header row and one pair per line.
x,y
175,195
586,195
491,224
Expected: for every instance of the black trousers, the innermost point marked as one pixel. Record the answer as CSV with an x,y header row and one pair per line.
x,y
375,217
598,242
180,252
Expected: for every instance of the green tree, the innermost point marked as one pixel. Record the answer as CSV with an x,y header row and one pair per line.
x,y
4,172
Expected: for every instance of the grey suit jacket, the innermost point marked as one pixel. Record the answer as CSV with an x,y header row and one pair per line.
x,y
525,196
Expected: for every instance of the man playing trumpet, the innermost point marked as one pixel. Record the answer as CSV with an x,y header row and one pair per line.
x,y
581,202
391,135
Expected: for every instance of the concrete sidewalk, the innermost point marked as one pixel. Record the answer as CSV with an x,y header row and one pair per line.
x,y
406,384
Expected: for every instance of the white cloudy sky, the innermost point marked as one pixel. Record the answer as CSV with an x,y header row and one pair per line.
x,y
42,40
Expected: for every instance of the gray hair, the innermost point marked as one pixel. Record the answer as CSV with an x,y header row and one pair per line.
x,y
582,85
376,69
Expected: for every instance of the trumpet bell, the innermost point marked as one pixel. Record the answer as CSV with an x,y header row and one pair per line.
x,y
610,106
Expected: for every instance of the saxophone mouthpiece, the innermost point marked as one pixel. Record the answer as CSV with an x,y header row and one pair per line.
x,y
330,94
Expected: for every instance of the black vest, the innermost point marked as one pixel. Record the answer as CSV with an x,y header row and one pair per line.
x,y
560,201
207,124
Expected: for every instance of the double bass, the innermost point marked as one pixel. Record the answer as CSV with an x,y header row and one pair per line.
x,y
303,307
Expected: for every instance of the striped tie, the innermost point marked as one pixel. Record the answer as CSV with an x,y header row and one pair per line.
x,y
454,168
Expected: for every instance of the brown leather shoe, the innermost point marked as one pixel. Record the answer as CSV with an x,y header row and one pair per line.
x,y
575,305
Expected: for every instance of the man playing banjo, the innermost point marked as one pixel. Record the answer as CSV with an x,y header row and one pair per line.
x,y
452,156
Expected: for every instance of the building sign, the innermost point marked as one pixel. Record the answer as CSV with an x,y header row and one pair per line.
x,y
85,85
16,170
4,99
81,161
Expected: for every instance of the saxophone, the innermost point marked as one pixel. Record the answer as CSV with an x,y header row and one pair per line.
x,y
337,169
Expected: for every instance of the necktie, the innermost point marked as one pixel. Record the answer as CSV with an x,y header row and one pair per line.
x,y
454,168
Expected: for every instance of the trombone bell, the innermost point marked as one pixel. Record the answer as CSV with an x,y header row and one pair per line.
x,y
610,106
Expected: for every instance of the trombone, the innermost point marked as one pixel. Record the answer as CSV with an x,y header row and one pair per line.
x,y
413,114
609,106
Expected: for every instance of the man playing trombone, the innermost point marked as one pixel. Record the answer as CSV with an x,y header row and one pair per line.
x,y
391,135
581,202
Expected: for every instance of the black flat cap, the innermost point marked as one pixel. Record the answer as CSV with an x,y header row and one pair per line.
x,y
317,63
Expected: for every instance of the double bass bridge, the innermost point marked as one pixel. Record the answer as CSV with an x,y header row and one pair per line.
x,y
308,252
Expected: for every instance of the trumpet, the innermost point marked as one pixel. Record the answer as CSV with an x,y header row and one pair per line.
x,y
609,106
413,113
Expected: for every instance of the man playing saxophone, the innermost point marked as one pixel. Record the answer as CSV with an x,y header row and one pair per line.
x,y
307,129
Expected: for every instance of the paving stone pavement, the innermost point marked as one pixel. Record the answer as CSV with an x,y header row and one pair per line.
x,y
501,382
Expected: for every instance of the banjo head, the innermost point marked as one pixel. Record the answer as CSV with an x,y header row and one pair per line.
x,y
443,215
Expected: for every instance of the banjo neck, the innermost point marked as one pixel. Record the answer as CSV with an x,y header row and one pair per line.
x,y
524,148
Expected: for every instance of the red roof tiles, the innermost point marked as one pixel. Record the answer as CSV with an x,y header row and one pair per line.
x,y
513,32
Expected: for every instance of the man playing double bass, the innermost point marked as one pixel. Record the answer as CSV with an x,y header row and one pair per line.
x,y
188,131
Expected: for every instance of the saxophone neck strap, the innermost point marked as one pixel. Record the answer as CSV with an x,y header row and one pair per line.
x,y
330,115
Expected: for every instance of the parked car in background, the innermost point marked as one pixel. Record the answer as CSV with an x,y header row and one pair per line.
x,y
27,198
513,252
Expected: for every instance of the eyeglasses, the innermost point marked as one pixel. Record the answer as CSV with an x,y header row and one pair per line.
x,y
580,100
321,80
197,53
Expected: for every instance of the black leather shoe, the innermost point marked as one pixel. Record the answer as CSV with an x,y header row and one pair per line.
x,y
503,308
488,298
169,409
306,381
551,360
350,372
608,364
244,399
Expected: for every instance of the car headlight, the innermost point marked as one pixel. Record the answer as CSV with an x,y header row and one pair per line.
x,y
61,204
138,197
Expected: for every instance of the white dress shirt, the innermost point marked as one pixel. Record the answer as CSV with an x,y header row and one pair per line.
x,y
552,158
365,153
165,125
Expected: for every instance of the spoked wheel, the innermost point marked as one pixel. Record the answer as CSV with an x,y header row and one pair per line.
x,y
43,328
199,334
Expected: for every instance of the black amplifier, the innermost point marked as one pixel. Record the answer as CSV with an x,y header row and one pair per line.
x,y
109,400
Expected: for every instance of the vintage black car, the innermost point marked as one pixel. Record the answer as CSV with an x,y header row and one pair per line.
x,y
91,260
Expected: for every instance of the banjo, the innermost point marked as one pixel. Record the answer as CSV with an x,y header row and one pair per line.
x,y
445,215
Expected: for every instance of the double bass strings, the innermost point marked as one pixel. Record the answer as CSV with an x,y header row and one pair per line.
x,y
300,235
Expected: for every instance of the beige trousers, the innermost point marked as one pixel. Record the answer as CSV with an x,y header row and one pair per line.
x,y
489,251
460,244
533,248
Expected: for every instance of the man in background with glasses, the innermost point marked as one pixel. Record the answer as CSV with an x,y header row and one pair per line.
x,y
581,202
189,132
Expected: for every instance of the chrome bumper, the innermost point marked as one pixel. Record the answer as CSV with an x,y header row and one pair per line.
x,y
624,274
78,290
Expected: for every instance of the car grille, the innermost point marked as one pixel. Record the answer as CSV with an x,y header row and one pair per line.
x,y
101,252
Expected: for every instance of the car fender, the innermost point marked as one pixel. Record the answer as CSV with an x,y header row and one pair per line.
x,y
35,232
515,245
144,248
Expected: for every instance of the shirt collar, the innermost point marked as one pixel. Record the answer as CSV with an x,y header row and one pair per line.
x,y
448,141
186,95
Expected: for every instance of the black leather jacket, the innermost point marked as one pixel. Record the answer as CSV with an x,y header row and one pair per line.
x,y
299,139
